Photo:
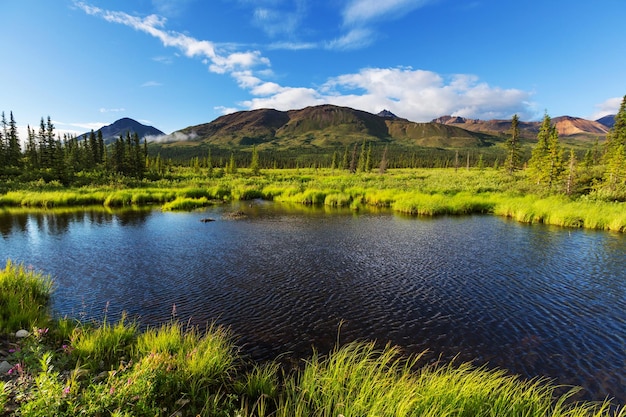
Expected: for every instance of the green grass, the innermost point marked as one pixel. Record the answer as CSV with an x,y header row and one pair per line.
x,y
24,298
100,347
427,192
113,369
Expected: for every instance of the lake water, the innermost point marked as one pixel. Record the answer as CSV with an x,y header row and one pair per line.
x,y
538,301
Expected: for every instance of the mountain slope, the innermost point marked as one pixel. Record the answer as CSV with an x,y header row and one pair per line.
x,y
122,126
566,126
326,126
608,121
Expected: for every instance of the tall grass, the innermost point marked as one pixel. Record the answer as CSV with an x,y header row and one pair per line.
x,y
102,346
24,296
428,192
358,380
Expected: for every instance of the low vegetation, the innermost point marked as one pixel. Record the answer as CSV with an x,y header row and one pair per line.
x,y
423,192
70,368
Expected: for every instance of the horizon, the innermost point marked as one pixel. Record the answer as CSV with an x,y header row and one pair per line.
x,y
173,64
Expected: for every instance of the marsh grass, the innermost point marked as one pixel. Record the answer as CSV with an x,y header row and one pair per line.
x,y
24,296
185,204
358,380
100,347
427,192
563,211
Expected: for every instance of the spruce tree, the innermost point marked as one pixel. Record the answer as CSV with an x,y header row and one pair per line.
x,y
513,157
539,157
614,178
254,163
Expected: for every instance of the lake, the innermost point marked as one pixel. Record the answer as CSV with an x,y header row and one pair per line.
x,y
538,301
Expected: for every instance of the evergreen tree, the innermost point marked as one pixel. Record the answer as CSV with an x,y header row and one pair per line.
x,y
555,160
31,149
362,160
100,154
3,146
538,162
368,160
353,160
513,150
14,150
254,163
571,173
382,168
344,161
333,163
232,165
614,178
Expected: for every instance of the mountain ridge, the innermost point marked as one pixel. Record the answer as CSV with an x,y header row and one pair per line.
x,y
326,125
123,126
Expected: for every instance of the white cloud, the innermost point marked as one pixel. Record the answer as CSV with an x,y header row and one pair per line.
x,y
173,137
360,12
218,61
609,106
417,95
355,39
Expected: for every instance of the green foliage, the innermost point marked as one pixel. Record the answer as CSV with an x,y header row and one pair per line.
x,y
24,295
513,148
101,347
546,165
185,204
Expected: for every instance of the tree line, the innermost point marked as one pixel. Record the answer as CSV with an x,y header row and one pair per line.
x,y
549,167
66,158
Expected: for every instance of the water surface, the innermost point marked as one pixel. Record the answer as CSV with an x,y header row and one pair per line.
x,y
538,301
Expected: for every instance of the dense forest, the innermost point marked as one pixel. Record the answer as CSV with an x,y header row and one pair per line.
x,y
47,157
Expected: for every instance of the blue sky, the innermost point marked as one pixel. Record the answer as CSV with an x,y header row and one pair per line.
x,y
176,63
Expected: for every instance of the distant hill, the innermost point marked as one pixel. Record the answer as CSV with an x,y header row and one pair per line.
x,y
326,126
122,126
608,121
566,126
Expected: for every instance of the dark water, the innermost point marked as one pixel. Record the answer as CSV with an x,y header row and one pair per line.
x,y
535,300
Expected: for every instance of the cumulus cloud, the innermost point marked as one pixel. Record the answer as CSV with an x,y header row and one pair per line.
x,y
418,95
609,106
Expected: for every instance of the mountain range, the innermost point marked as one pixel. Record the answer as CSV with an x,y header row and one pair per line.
x,y
332,126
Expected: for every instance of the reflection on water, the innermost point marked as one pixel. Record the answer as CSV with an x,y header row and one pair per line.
x,y
538,301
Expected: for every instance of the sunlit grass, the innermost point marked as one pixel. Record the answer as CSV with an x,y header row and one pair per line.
x,y
24,295
427,192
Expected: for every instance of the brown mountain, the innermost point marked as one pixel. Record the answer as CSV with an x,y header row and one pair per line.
x,y
327,125
566,126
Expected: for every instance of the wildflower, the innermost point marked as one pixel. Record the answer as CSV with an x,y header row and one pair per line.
x,y
17,368
112,390
66,390
12,350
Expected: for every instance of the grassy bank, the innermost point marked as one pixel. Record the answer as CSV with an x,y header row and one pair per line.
x,y
70,368
427,192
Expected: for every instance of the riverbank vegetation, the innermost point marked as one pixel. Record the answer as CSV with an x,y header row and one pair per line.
x,y
66,368
424,192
